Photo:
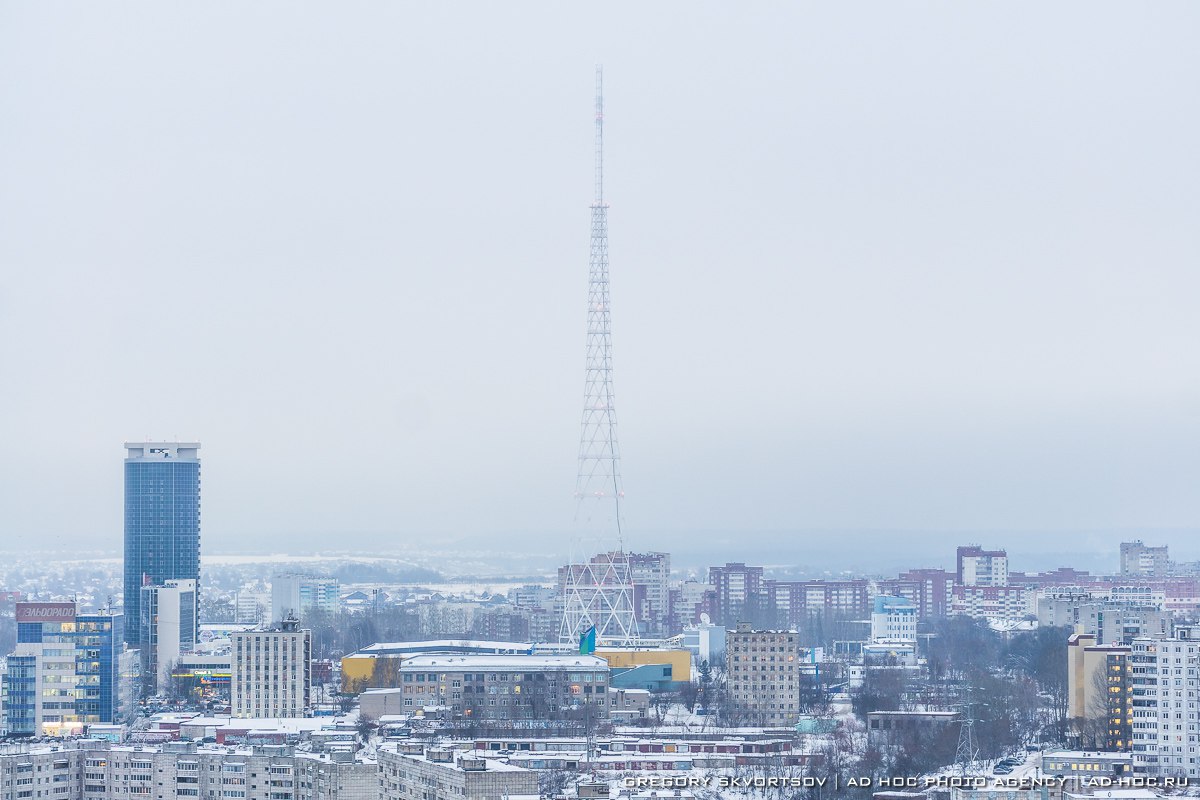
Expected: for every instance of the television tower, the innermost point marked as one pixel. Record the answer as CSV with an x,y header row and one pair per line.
x,y
599,591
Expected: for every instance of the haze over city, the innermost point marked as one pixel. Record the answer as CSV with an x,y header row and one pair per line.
x,y
885,273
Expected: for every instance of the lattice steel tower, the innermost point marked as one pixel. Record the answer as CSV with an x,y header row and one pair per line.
x,y
599,590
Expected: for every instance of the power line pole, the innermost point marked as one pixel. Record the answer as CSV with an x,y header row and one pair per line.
x,y
967,753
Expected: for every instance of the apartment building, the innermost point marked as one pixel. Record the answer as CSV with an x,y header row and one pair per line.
x,y
764,674
894,619
93,770
1111,622
651,576
407,771
293,595
1166,730
1143,560
979,567
1100,692
930,590
994,603
333,776
736,590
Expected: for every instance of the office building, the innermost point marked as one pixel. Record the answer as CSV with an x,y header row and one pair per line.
x,y
294,595
706,643
168,629
507,687
764,674
68,670
894,619
271,672
1100,692
162,521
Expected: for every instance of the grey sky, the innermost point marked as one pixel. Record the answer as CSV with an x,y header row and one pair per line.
x,y
887,266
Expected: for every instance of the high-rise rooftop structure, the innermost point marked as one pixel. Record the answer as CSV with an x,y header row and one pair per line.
x,y
599,591
162,521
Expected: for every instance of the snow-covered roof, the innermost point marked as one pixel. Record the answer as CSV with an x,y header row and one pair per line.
x,y
503,662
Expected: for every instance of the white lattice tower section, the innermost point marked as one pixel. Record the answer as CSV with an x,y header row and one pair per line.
x,y
599,590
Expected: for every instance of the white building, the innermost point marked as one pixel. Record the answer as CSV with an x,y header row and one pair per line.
x,y
272,672
293,594
994,603
169,628
894,620
706,641
1165,724
248,608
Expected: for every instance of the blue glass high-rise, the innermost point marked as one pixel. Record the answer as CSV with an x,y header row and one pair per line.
x,y
69,670
162,520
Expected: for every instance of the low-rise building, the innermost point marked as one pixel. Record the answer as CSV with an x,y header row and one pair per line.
x,y
626,705
411,772
1097,764
503,687
894,727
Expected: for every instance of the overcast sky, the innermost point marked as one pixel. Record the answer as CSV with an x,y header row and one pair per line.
x,y
918,266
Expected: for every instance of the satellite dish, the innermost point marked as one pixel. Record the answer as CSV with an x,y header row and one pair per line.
x,y
704,619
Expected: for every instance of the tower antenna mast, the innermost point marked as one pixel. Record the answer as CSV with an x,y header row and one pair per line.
x,y
599,592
